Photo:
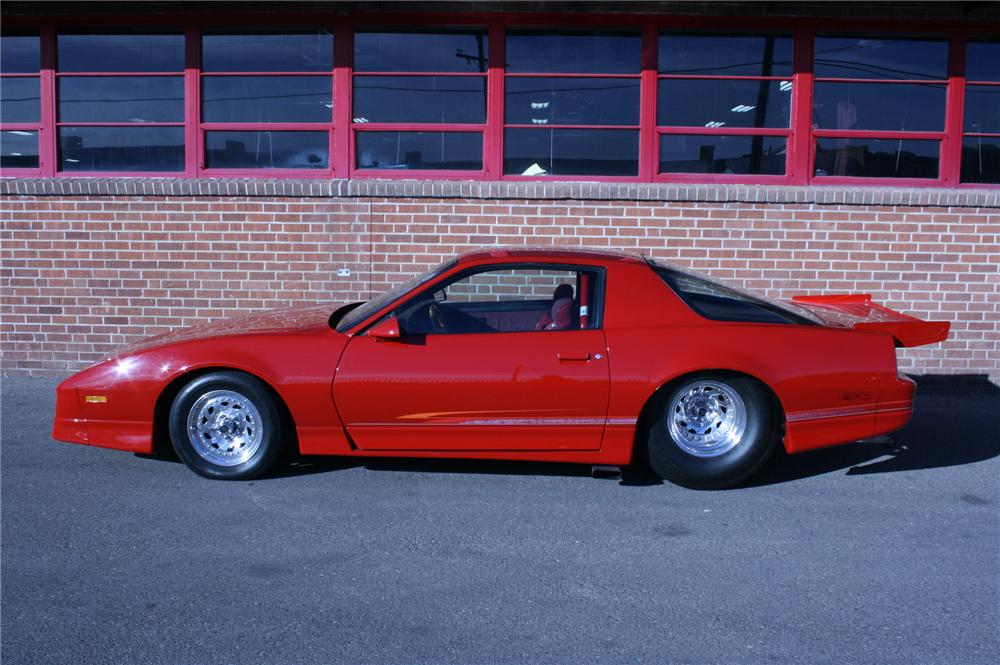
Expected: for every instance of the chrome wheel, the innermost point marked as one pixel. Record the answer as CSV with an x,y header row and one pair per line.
x,y
707,418
224,427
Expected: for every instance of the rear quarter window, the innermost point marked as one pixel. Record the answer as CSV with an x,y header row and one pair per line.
x,y
721,303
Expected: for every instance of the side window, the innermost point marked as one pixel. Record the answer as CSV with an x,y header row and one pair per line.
x,y
505,300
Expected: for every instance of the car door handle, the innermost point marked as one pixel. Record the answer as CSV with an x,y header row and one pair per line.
x,y
573,357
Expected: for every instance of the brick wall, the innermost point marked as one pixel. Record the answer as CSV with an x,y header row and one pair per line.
x,y
85,271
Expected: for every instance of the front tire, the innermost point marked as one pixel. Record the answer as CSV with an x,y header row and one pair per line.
x,y
710,431
226,426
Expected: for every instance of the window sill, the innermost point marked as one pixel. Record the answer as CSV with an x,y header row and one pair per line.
x,y
966,196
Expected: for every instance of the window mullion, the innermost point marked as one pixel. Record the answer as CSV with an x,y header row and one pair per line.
x,y
342,161
801,143
193,150
648,140
951,145
493,139
47,136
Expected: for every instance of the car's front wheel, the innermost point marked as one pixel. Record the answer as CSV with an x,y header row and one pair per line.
x,y
710,431
226,426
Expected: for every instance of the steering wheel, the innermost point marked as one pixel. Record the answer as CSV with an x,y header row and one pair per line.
x,y
437,318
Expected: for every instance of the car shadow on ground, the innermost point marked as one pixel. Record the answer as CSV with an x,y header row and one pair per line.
x,y
955,422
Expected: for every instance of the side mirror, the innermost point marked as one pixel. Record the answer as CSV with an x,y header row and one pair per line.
x,y
386,330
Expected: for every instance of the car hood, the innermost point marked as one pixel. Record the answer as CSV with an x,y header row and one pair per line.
x,y
292,320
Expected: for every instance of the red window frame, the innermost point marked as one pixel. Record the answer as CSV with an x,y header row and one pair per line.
x,y
960,53
37,127
481,128
947,175
56,75
787,132
195,36
342,132
640,172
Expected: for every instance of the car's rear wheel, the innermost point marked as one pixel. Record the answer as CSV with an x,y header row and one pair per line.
x,y
226,426
710,431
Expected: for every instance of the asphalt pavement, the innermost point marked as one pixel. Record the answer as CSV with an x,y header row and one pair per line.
x,y
859,554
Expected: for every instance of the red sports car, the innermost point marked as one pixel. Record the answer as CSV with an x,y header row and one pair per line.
x,y
528,354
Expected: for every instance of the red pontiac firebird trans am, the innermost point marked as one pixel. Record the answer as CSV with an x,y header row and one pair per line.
x,y
529,354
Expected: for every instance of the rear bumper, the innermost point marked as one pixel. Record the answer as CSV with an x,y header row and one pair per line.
x,y
809,430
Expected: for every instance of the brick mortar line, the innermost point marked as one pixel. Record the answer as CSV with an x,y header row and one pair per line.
x,y
499,190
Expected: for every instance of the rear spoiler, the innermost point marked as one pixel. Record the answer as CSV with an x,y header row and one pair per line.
x,y
856,310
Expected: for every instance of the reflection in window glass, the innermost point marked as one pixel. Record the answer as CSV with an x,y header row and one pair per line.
x,y
121,99
726,55
571,101
430,99
981,159
18,149
982,61
121,51
20,54
723,103
893,107
439,151
267,51
266,150
20,100
573,52
540,152
877,158
722,154
121,148
982,108
879,58
420,52
266,98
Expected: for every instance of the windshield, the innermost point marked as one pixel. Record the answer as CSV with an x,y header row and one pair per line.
x,y
356,316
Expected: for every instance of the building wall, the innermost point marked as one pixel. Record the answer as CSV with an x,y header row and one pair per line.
x,y
89,265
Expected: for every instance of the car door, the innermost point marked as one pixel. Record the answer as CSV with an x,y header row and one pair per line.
x,y
481,365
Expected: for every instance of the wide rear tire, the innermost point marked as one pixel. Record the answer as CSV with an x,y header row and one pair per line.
x,y
226,426
710,431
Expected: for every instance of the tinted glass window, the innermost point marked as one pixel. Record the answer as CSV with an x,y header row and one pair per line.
x,y
981,159
420,52
877,158
19,54
726,55
267,98
267,150
121,148
267,51
895,107
432,99
880,58
446,151
121,52
723,303
571,101
573,52
121,99
20,100
538,152
504,300
702,153
982,61
732,103
18,149
982,108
